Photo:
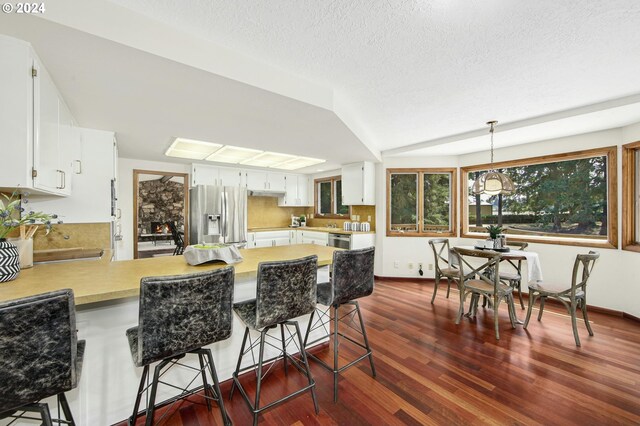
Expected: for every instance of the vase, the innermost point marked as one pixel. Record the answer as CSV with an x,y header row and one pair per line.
x,y
9,261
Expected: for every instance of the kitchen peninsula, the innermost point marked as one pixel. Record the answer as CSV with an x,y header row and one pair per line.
x,y
106,295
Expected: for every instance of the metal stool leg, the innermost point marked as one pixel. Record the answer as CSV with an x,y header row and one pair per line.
x,y
284,349
62,400
235,375
256,408
335,352
216,386
366,340
151,408
205,385
134,416
303,355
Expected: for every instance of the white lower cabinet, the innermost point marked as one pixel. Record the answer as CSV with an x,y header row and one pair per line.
x,y
314,237
271,238
359,241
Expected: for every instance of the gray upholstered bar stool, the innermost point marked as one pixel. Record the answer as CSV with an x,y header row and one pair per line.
x,y
40,355
352,278
285,290
178,315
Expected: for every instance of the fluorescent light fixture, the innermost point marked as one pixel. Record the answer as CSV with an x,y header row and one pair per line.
x,y
200,150
233,154
299,162
268,159
191,149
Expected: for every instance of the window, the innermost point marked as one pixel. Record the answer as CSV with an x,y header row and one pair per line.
x,y
562,199
421,202
631,197
328,198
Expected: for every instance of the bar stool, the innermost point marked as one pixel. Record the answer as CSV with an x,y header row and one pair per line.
x,y
352,278
178,315
285,290
40,355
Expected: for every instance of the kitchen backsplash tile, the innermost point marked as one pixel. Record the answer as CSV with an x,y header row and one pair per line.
x,y
71,235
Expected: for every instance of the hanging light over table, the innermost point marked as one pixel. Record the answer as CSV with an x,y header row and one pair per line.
x,y
493,182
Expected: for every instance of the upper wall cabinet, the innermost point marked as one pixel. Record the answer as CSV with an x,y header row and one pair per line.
x,y
358,184
36,126
257,180
296,191
93,194
202,174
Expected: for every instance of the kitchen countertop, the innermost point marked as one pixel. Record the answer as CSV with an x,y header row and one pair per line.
x,y
310,228
102,280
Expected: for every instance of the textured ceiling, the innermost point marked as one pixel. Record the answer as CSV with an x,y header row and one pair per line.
x,y
415,71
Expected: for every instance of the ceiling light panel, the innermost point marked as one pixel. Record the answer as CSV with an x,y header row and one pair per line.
x,y
233,154
191,149
298,163
268,159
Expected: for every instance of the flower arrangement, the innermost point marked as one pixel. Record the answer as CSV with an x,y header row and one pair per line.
x,y
14,215
494,231
303,218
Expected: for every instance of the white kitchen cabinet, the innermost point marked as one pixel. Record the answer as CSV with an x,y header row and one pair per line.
x,y
256,180
358,184
202,174
251,239
35,122
90,200
314,237
271,238
359,241
296,191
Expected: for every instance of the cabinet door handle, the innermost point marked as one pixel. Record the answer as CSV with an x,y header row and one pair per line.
x,y
79,163
63,179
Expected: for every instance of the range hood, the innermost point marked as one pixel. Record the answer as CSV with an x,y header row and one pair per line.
x,y
266,193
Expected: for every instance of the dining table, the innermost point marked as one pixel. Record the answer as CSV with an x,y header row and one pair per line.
x,y
532,260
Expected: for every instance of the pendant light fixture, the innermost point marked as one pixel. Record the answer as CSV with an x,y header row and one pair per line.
x,y
493,182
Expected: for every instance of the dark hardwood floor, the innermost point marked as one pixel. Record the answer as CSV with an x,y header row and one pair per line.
x,y
431,371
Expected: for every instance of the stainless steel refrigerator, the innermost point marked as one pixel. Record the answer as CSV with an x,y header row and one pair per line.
x,y
218,214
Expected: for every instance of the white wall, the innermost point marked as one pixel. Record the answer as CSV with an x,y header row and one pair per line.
x,y
125,197
614,283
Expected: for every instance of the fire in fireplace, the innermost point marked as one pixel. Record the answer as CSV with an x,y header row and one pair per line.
x,y
159,228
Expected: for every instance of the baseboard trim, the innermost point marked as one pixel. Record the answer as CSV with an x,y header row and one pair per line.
x,y
598,309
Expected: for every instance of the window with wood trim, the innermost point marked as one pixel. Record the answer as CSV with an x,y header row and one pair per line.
x,y
328,198
568,198
631,196
421,202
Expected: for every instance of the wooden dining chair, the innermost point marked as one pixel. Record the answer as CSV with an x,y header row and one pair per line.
x,y
514,277
473,280
440,247
572,296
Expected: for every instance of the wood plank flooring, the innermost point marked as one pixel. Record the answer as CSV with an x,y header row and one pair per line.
x,y
431,371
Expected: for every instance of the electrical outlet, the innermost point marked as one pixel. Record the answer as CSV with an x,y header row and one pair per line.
x,y
396,264
431,266
368,218
420,265
410,265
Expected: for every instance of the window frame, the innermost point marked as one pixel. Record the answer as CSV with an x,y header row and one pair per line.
x,y
630,216
611,152
334,205
453,201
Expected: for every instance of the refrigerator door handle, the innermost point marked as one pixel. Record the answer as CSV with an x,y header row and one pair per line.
x,y
225,216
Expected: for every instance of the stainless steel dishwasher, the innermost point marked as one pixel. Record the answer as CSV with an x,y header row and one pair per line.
x,y
340,240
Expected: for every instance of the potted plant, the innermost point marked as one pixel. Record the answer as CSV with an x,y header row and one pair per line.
x,y
303,220
494,231
12,216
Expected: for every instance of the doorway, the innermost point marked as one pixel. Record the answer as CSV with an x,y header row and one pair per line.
x,y
160,219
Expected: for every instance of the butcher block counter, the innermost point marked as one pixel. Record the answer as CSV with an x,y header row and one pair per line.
x,y
100,280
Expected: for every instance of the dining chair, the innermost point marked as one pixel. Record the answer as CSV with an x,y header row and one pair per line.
x,y
473,280
514,278
177,239
572,296
440,247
